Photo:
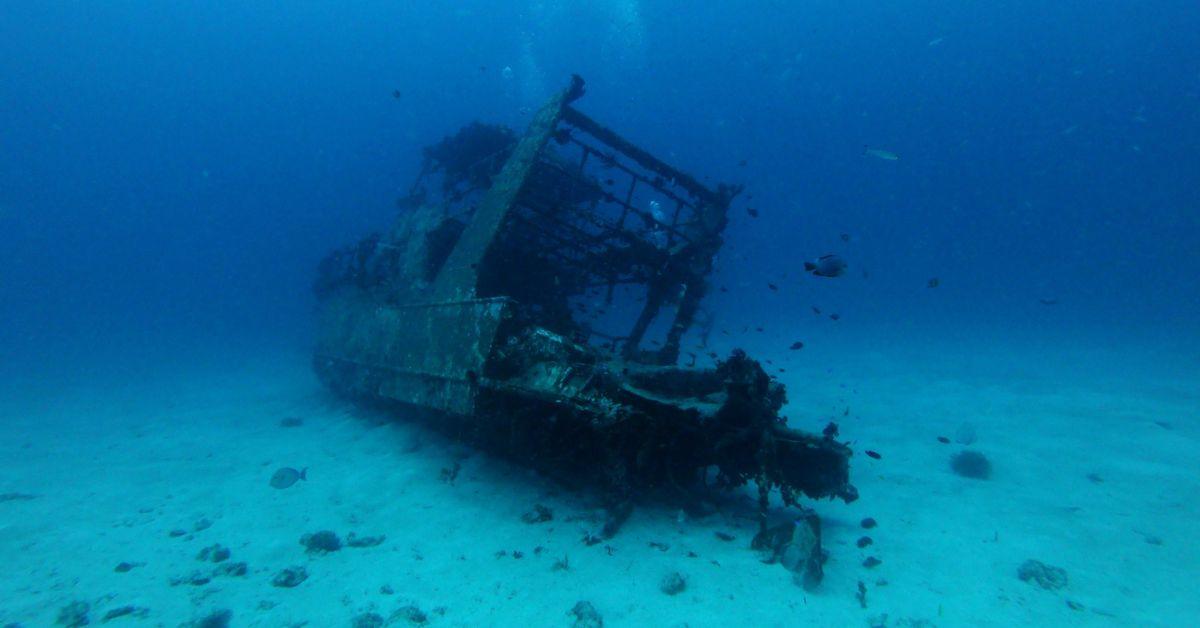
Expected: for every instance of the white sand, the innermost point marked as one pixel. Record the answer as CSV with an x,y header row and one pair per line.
x,y
116,462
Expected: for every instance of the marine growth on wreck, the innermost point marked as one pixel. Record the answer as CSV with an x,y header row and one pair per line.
x,y
531,298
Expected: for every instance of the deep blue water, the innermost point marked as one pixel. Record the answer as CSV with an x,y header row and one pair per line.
x,y
170,173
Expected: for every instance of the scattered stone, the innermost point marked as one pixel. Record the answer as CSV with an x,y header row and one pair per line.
x,y
1046,576
878,621
724,536
367,620
518,554
203,523
291,421
562,564
586,615
176,533
871,562
971,464
868,523
290,577
215,553
966,434
321,542
673,583
353,540
387,589
195,578
237,569
658,545
124,567
128,610
411,614
215,619
539,514
864,542
74,614
861,596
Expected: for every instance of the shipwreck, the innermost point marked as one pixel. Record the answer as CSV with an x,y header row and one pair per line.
x,y
533,298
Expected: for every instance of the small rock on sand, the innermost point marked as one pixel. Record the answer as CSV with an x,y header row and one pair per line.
x,y
586,615
290,577
1046,576
673,583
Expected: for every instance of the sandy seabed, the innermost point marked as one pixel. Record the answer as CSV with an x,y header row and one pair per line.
x,y
1097,475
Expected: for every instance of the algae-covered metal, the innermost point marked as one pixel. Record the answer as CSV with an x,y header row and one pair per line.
x,y
534,295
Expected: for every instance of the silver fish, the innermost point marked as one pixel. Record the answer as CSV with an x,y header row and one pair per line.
x,y
826,266
880,153
288,476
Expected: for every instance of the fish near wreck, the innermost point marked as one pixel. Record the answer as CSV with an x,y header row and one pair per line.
x,y
467,311
827,266
285,477
879,153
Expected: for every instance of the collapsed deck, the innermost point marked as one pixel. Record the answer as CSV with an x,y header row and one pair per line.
x,y
533,297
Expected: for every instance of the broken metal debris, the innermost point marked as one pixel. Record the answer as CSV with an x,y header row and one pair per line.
x,y
513,300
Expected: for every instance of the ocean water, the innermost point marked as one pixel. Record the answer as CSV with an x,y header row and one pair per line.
x,y
172,173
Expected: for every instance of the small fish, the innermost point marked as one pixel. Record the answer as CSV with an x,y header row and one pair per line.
x,y
835,316
935,41
874,454
772,286
396,94
826,266
724,289
880,153
816,310
845,237
742,163
753,212
796,346
933,283
1048,301
288,476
